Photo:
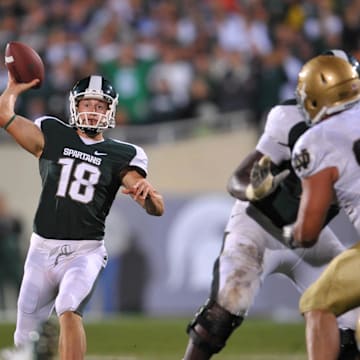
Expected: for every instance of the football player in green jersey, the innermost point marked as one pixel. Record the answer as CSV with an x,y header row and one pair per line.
x,y
81,173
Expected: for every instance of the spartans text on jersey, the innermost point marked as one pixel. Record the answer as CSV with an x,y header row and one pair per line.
x,y
82,156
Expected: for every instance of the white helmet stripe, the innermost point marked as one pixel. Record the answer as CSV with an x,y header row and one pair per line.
x,y
340,53
97,88
95,83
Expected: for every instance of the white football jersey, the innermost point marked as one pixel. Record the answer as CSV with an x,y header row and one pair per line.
x,y
334,142
284,125
275,139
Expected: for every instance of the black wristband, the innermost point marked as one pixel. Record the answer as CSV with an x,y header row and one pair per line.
x,y
9,122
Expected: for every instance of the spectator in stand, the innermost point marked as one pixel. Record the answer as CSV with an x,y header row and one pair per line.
x,y
351,30
322,26
242,29
107,42
99,29
129,74
278,70
172,75
234,81
11,260
162,105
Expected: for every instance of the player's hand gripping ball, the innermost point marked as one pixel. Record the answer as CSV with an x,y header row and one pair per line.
x,y
24,63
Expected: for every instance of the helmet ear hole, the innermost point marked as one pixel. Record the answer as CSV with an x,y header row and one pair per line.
x,y
311,104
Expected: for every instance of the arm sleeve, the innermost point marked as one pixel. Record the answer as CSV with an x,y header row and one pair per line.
x,y
140,160
275,139
314,152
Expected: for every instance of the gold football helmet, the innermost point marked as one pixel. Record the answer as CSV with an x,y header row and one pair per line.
x,y
326,85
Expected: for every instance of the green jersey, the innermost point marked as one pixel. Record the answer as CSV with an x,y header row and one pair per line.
x,y
80,180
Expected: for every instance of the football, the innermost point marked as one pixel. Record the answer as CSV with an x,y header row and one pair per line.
x,y
24,63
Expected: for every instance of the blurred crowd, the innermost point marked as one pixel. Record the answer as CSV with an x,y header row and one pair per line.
x,y
176,59
11,255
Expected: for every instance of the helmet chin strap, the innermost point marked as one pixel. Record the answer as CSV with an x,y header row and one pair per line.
x,y
90,132
332,110
318,116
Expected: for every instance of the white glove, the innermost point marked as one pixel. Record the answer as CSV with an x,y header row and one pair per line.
x,y
262,181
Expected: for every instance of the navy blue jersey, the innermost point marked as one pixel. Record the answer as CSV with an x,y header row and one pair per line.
x,y
79,181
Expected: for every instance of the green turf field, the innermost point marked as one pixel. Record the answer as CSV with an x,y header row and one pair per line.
x,y
139,338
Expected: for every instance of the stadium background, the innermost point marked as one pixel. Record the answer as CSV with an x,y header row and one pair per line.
x,y
162,267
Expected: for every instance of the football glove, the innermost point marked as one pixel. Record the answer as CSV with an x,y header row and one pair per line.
x,y
262,181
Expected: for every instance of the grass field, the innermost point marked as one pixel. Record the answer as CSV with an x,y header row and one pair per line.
x,y
142,338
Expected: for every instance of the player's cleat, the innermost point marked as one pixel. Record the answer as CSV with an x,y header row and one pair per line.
x,y
21,353
46,345
42,345
348,345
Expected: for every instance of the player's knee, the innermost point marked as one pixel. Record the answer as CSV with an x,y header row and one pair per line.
x,y
212,326
66,303
237,292
303,304
309,300
312,300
